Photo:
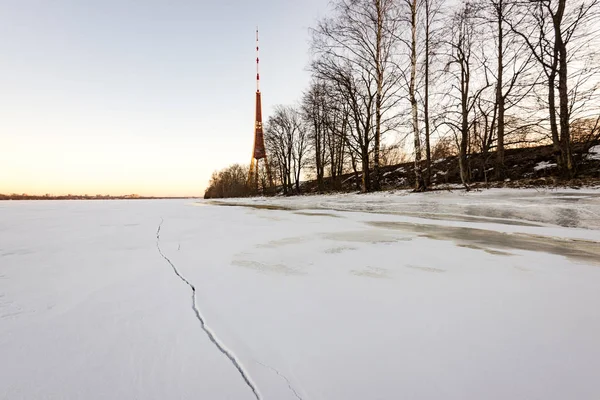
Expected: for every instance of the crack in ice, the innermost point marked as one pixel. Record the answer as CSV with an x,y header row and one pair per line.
x,y
283,376
213,338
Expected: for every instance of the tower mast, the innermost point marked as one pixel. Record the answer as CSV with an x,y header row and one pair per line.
x,y
259,151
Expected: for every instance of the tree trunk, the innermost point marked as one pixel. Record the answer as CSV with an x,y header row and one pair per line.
x,y
378,98
366,175
426,105
318,153
419,184
553,123
464,141
355,169
298,181
563,93
289,173
499,95
285,184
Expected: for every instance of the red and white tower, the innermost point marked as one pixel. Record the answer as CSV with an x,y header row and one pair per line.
x,y
259,151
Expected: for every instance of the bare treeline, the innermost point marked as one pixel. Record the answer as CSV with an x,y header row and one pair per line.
x,y
229,182
420,79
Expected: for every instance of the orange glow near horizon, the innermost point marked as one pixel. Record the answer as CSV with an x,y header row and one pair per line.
x,y
93,167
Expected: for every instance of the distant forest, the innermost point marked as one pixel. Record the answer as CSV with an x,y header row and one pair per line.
x,y
419,82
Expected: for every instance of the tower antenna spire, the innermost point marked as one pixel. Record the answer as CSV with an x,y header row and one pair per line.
x,y
257,63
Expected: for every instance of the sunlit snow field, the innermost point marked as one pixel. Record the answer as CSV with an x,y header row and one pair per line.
x,y
446,295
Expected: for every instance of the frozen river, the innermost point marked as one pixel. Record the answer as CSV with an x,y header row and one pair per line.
x,y
490,295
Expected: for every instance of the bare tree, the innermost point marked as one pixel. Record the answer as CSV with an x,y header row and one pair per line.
x,y
337,124
300,146
420,182
499,9
464,62
514,80
431,18
314,109
327,118
279,147
552,31
354,89
512,76
362,38
229,182
287,141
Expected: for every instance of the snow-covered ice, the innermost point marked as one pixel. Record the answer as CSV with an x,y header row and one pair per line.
x,y
386,296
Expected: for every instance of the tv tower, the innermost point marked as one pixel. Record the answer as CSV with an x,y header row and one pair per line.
x,y
259,151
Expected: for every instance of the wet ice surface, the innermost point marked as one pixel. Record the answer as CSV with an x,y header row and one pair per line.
x,y
314,303
563,207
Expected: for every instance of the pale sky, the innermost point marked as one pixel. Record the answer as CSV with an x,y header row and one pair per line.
x,y
140,96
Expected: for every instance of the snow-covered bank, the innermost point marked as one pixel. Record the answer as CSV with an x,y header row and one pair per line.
x,y
315,304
